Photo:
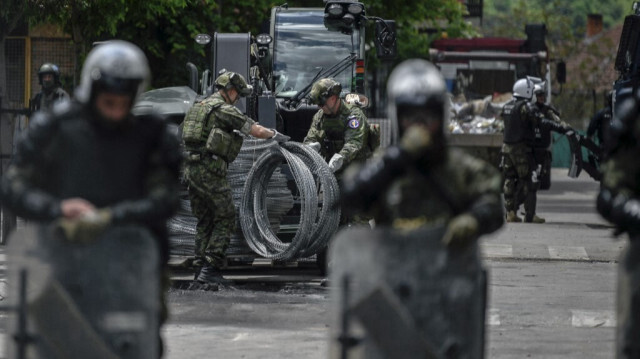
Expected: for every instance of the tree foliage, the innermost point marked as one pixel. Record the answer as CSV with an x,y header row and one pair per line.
x,y
165,29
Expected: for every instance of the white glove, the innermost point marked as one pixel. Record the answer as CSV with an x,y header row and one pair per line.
x,y
278,137
336,162
314,146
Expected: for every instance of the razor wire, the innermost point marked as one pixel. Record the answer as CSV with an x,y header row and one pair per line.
x,y
261,198
182,226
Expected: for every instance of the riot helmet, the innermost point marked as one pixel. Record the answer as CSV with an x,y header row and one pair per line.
x,y
417,93
523,88
49,68
323,89
230,79
116,67
540,93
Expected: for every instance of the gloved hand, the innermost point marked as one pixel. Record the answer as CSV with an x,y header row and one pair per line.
x,y
572,133
314,146
336,162
86,228
277,136
462,230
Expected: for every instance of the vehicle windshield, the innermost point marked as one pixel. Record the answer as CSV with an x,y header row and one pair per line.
x,y
303,47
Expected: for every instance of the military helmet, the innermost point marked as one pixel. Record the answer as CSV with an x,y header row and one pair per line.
x,y
323,89
49,68
228,79
523,88
415,85
116,67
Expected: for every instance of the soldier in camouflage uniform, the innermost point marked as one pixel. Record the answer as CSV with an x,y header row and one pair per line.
x,y
211,144
338,130
422,182
619,202
49,79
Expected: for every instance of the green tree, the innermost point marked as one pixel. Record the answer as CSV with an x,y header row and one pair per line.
x,y
165,28
88,21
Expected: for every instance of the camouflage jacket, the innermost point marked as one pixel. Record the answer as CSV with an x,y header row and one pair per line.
x,y
433,195
551,122
131,169
347,133
45,102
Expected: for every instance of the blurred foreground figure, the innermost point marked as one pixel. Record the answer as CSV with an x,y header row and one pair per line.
x,y
619,202
419,288
98,186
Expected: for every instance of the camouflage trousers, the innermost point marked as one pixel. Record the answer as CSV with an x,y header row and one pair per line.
x,y
628,302
212,205
517,170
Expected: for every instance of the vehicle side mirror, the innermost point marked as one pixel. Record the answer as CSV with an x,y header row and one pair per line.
x,y
193,76
385,39
561,72
203,39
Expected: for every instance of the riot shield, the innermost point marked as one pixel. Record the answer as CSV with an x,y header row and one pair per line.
x,y
86,300
405,295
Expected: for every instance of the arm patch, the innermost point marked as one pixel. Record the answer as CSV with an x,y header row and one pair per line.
x,y
353,122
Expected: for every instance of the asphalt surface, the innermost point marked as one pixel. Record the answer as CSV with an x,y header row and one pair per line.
x,y
551,294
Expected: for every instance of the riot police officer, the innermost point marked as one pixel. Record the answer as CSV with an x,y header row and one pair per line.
x,y
89,166
52,92
419,185
462,191
339,131
518,166
546,120
619,202
211,144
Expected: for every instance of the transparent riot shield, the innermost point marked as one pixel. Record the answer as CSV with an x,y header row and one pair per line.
x,y
405,295
85,300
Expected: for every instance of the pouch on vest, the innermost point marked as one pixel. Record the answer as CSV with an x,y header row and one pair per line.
x,y
194,122
224,144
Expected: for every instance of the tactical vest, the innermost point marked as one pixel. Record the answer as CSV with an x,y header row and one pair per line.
x,y
334,130
200,132
515,127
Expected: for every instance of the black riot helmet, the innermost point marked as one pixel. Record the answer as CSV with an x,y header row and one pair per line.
x,y
116,67
416,92
49,68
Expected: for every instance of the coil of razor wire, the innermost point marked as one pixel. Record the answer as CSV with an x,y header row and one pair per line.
x,y
315,227
253,206
261,197
329,218
182,226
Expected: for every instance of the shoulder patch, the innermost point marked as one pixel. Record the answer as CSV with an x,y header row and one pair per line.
x,y
353,122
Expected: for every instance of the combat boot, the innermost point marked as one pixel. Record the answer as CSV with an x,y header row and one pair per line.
x,y
534,219
512,216
212,275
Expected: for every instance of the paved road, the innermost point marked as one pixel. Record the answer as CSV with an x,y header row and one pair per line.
x,y
553,285
551,295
